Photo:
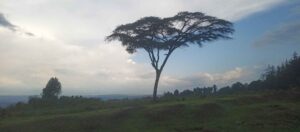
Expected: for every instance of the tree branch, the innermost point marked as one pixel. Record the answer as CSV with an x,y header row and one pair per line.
x,y
181,30
166,58
157,55
151,59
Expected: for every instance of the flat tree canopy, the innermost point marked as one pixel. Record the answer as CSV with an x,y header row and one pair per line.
x,y
161,36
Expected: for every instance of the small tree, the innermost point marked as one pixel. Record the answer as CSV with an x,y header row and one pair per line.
x,y
238,86
176,93
214,88
52,89
160,37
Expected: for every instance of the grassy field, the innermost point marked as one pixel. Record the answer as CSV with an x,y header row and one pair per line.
x,y
276,112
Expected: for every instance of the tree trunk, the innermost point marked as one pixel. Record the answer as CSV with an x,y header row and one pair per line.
x,y
158,72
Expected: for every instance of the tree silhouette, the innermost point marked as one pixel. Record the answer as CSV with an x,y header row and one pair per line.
x,y
159,37
214,88
176,93
52,89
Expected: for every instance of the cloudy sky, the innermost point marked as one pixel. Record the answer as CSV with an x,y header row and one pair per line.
x,y
40,39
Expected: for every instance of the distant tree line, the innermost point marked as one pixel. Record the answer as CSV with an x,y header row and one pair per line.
x,y
198,91
283,77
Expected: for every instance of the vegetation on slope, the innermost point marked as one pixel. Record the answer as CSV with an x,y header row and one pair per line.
x,y
268,105
276,112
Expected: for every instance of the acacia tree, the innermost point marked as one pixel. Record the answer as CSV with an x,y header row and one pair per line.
x,y
159,37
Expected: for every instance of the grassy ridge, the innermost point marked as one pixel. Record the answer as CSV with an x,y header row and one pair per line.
x,y
247,113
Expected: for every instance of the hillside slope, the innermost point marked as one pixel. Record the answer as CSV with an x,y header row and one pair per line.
x,y
279,112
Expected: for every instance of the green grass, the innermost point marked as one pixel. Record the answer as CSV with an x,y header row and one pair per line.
x,y
235,113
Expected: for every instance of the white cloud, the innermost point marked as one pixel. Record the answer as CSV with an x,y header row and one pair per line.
x,y
87,22
34,60
69,43
208,79
9,81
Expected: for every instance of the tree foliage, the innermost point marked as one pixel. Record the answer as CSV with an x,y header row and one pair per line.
x,y
285,76
52,89
151,33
